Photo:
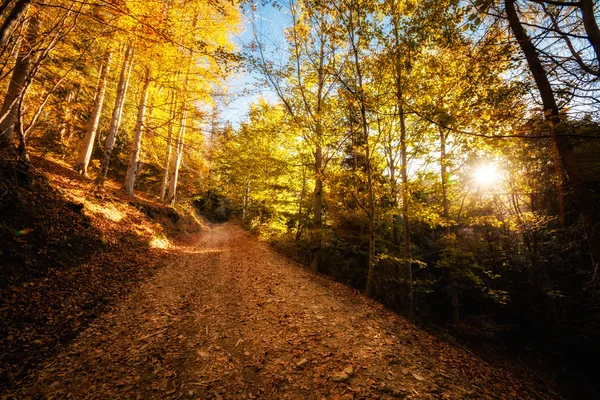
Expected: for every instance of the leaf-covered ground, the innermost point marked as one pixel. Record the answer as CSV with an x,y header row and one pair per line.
x,y
229,318
66,255
108,305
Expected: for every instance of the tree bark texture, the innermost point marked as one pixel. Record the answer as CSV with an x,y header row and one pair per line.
x,y
137,140
17,87
87,145
115,121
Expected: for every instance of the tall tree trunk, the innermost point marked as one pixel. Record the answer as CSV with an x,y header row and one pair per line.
x,y
588,210
453,283
115,121
137,141
11,19
169,151
317,226
66,124
22,149
408,278
87,146
405,199
370,208
16,88
246,200
560,192
301,200
172,197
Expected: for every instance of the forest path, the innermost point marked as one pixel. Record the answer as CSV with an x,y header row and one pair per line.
x,y
230,318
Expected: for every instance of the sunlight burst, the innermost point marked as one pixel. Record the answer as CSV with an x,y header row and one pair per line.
x,y
486,175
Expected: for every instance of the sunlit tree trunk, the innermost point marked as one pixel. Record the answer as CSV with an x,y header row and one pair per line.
x,y
117,114
66,124
137,141
17,87
585,202
169,151
22,148
87,146
172,197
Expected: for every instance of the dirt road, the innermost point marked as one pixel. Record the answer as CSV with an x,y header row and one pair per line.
x,y
229,318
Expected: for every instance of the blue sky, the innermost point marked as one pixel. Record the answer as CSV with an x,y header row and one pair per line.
x,y
271,23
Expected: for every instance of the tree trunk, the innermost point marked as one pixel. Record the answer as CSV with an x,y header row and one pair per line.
x,y
370,208
408,279
317,234
405,222
246,198
583,195
169,151
453,283
16,88
137,141
302,195
172,197
22,149
117,114
66,124
591,26
12,18
87,146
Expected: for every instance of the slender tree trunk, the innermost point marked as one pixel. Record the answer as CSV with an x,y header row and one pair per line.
x,y
559,187
405,221
246,198
66,124
370,208
172,197
453,283
317,234
87,146
115,121
408,278
137,141
69,123
169,151
397,217
22,149
11,19
302,195
17,87
317,228
588,210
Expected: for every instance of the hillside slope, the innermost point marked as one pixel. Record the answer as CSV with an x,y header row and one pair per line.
x,y
67,255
